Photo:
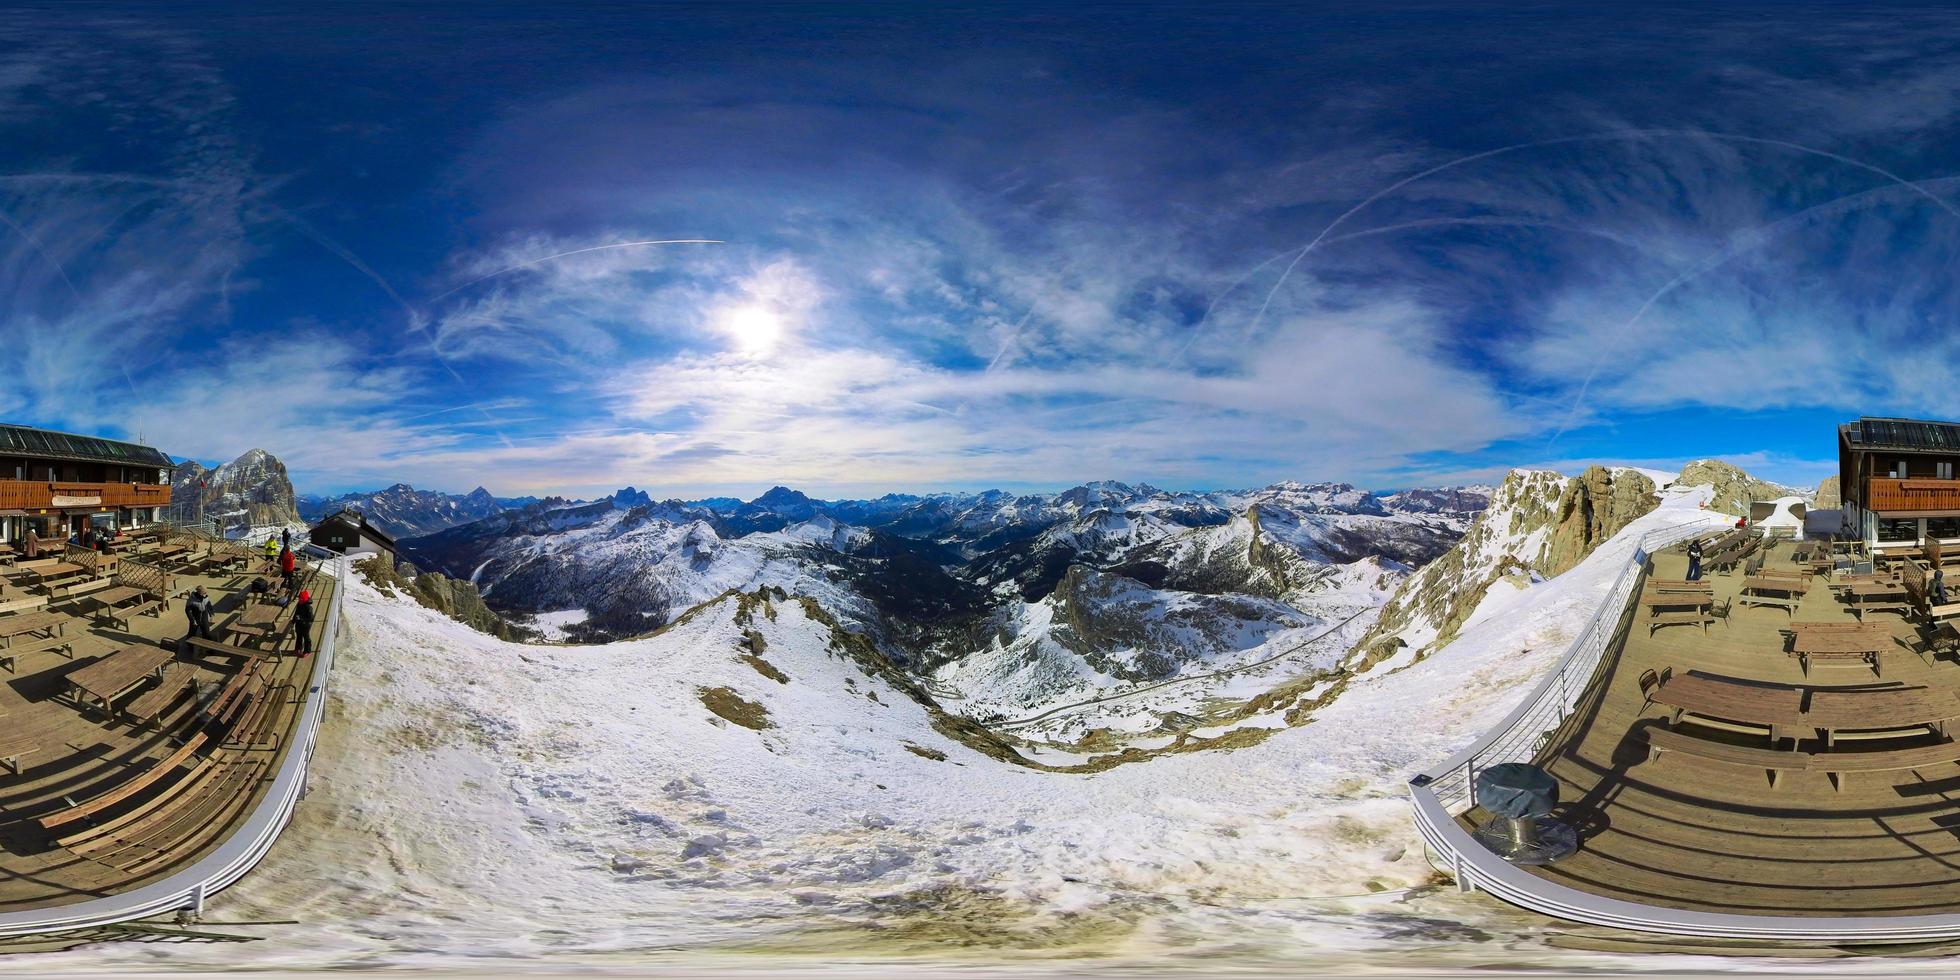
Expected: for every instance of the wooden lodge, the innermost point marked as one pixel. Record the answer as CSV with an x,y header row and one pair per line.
x,y
1898,481
57,483
348,532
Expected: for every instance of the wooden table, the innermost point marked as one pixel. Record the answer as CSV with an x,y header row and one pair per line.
x,y
1834,710
1860,642
45,574
169,551
1756,591
1866,596
13,747
1826,711
1775,706
1678,585
111,677
46,623
259,620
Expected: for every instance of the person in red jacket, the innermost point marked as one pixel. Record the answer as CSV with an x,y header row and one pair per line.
x,y
286,565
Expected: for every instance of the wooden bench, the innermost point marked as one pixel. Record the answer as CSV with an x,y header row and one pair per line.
x,y
1656,620
171,830
216,646
1839,764
1835,765
65,644
123,790
1661,740
1786,603
149,705
14,747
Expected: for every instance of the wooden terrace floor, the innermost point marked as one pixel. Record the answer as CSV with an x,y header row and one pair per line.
x,y
1688,833
83,754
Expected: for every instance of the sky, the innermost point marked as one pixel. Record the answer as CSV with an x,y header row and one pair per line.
x,y
917,248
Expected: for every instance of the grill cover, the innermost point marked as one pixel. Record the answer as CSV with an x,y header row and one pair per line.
x,y
1517,790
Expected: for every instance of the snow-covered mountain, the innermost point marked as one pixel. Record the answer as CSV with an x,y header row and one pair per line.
x,y
403,511
967,588
252,489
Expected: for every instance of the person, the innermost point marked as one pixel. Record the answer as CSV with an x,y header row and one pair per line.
x,y
286,565
33,544
1694,560
1939,586
271,550
286,538
1741,523
303,624
197,609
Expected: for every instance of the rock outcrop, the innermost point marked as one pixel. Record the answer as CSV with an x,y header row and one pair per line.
x,y
1734,489
454,598
1539,524
1828,497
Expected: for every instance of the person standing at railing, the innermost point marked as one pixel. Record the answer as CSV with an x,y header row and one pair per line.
x,y
32,546
303,623
1694,560
287,564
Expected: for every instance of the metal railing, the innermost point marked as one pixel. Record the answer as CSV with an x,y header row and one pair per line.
x,y
189,888
1446,791
1520,736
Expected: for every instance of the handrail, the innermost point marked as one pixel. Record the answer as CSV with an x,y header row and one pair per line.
x,y
1515,738
1442,793
188,889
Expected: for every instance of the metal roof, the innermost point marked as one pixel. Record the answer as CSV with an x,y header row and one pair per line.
x,y
1916,435
19,440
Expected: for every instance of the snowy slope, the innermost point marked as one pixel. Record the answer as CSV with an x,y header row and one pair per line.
x,y
473,798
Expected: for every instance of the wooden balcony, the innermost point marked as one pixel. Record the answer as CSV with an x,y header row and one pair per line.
x,y
1913,495
33,495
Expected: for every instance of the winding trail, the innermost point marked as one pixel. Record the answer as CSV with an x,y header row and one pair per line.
x,y
1225,672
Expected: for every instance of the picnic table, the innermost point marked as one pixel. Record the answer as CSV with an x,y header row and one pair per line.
x,y
13,747
259,620
1679,585
169,551
1763,589
46,623
1864,597
1827,711
111,677
45,575
1775,706
1859,642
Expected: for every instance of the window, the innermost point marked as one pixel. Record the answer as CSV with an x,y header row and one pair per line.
x,y
1943,469
1947,528
1899,470
1898,529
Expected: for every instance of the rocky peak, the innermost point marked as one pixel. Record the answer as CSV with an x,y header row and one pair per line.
x,y
780,497
1733,488
1828,497
252,489
628,498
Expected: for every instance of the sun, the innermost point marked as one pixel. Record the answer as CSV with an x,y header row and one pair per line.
x,y
755,329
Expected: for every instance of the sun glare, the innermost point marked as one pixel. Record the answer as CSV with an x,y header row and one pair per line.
x,y
754,329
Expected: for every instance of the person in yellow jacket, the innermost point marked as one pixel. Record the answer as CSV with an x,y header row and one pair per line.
x,y
271,550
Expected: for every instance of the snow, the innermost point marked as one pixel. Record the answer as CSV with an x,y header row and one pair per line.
x,y
474,801
552,625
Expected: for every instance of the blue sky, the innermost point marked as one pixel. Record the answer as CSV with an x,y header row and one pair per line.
x,y
1019,246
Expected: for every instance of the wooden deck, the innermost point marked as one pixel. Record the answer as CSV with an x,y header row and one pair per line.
x,y
1689,833
83,755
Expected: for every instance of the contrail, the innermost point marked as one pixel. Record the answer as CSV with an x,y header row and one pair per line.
x,y
1012,338
576,251
1482,220
1627,134
1757,237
